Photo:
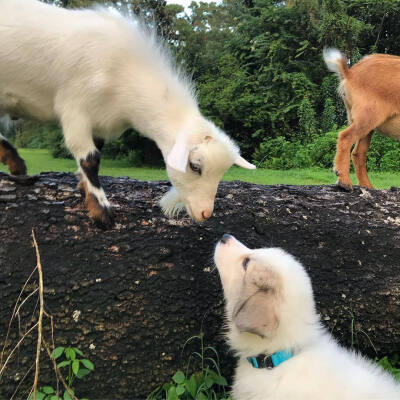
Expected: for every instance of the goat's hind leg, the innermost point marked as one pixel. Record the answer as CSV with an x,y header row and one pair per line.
x,y
10,157
364,121
359,157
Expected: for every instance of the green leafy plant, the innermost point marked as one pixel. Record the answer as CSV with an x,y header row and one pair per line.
x,y
391,365
205,384
72,361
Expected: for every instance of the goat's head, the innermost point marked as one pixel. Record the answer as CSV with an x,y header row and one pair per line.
x,y
195,166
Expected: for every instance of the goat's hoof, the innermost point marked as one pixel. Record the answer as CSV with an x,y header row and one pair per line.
x,y
105,219
348,187
18,168
24,180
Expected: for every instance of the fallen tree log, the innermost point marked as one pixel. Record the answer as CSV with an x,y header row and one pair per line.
x,y
130,297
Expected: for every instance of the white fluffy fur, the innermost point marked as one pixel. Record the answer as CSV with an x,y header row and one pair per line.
x,y
332,57
99,73
320,368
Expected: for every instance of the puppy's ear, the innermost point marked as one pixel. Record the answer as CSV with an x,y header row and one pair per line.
x,y
258,314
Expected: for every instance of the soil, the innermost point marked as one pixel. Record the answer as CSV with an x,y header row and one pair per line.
x,y
130,297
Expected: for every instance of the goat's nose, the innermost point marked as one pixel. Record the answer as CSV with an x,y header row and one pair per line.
x,y
225,238
206,214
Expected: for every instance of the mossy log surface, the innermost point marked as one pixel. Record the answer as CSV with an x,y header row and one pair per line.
x,y
130,297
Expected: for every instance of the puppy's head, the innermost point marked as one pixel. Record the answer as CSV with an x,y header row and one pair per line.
x,y
269,300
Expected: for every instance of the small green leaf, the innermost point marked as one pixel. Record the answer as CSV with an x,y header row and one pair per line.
x,y
171,394
75,366
209,381
63,363
70,353
55,398
88,364
218,379
179,377
77,351
57,352
82,372
191,386
39,395
47,389
67,396
201,396
180,390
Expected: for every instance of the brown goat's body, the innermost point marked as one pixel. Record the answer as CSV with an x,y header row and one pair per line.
x,y
371,94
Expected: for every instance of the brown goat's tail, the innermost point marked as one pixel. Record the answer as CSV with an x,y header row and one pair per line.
x,y
336,62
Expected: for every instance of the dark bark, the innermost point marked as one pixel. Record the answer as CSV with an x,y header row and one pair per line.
x,y
144,287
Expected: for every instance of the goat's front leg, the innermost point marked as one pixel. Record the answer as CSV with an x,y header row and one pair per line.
x,y
95,198
88,158
359,157
10,157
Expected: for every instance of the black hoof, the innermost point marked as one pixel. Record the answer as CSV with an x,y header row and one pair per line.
x,y
344,186
105,220
24,180
18,167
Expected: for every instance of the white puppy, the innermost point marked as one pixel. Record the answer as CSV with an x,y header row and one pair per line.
x,y
284,353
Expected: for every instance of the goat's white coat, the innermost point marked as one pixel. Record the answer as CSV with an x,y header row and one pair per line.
x,y
320,368
99,73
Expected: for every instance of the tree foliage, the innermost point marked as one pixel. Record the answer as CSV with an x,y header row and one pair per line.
x,y
257,64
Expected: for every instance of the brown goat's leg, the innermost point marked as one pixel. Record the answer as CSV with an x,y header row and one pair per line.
x,y
95,199
345,141
10,157
101,215
359,156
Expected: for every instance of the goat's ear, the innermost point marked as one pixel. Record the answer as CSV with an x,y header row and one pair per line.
x,y
179,155
258,314
241,162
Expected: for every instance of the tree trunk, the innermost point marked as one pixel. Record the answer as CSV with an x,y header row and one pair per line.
x,y
130,297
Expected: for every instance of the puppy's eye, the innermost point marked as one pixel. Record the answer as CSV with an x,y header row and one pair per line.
x,y
245,263
195,167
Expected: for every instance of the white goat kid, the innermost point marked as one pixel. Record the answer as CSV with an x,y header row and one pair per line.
x,y
99,73
284,354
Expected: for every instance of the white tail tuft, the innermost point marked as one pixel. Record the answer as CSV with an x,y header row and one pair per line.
x,y
332,59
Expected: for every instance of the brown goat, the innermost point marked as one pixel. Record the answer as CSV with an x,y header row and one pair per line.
x,y
371,93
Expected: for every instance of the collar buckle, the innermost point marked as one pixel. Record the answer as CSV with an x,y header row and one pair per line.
x,y
270,361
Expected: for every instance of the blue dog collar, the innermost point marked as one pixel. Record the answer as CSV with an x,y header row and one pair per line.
x,y
272,361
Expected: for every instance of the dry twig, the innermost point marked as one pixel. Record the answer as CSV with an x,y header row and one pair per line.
x,y
40,320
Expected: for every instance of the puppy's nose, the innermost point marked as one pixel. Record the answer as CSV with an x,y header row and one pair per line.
x,y
225,238
206,214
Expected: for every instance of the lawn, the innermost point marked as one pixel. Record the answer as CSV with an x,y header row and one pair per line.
x,y
39,160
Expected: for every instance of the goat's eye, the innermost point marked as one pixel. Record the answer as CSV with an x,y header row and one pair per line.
x,y
245,263
195,167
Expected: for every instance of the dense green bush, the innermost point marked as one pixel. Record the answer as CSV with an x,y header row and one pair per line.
x,y
36,135
57,147
280,153
322,149
383,154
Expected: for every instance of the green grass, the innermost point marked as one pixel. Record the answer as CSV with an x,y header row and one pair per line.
x,y
40,160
